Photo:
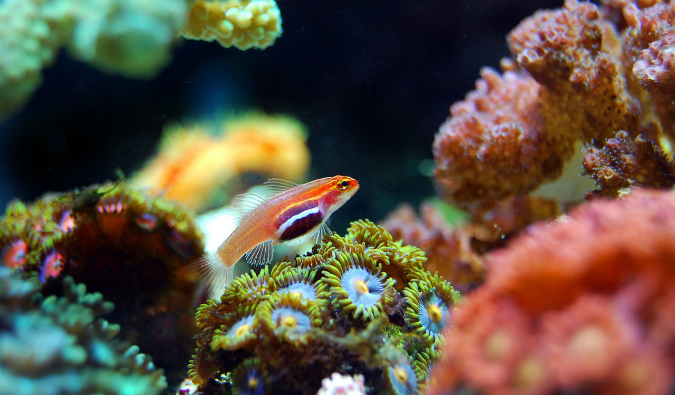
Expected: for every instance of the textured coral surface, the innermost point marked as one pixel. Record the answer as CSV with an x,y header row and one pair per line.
x,y
583,305
61,345
133,248
579,73
336,310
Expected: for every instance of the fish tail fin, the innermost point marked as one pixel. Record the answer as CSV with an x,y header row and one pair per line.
x,y
214,275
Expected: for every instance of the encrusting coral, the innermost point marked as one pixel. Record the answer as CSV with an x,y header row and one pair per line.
x,y
193,165
61,345
135,249
336,309
584,305
576,78
127,37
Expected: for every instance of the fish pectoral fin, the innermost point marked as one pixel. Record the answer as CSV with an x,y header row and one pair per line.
x,y
322,232
260,254
214,274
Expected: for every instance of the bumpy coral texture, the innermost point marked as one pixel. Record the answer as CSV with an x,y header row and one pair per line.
x,y
623,163
261,333
449,250
243,24
61,346
649,45
195,167
583,305
573,82
133,248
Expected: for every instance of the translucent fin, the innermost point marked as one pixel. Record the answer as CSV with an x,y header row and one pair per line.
x,y
322,232
214,274
243,204
278,185
260,254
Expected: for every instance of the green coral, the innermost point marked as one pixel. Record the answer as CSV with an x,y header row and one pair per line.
x,y
356,284
127,37
430,302
305,316
59,345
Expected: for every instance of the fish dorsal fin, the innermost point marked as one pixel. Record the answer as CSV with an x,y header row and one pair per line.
x,y
260,254
278,185
243,204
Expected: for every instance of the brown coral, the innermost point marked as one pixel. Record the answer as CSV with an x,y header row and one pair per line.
x,y
494,145
518,131
623,163
587,299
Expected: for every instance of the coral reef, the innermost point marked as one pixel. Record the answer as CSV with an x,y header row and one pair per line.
x,y
456,250
575,78
134,249
584,305
127,37
337,309
61,345
243,24
623,163
194,166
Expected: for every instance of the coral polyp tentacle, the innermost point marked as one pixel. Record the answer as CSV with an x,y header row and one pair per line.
x,y
430,302
357,285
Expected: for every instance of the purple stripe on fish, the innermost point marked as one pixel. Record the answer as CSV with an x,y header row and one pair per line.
x,y
299,220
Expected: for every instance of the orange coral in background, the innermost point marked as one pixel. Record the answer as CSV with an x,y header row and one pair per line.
x,y
192,165
585,304
576,77
456,251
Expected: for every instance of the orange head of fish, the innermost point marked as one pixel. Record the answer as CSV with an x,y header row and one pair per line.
x,y
338,190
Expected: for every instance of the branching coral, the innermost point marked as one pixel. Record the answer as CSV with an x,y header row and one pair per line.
x,y
193,165
573,80
243,24
60,346
573,306
336,310
134,249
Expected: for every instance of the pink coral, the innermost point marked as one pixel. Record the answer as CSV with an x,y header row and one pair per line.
x,y
590,298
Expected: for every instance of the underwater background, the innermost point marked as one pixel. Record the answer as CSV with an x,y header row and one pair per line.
x,y
371,82
506,170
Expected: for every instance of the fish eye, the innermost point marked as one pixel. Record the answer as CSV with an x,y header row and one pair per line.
x,y
344,184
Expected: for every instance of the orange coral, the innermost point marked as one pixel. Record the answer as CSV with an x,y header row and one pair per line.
x,y
193,165
589,296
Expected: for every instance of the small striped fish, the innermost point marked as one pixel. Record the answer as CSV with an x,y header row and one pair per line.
x,y
292,214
